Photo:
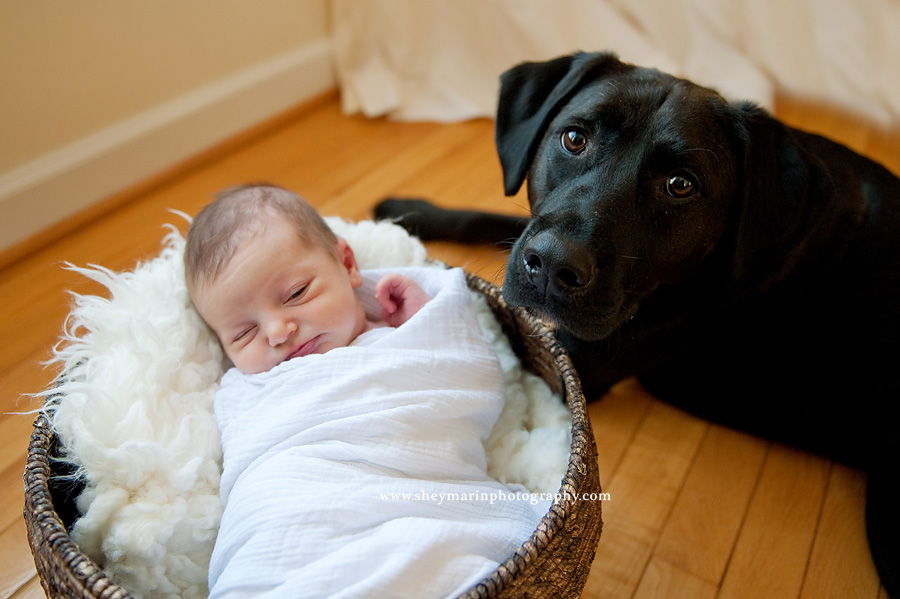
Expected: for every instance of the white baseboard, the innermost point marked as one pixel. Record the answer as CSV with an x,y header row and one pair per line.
x,y
58,185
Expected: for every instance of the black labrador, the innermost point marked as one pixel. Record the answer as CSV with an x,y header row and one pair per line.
x,y
745,271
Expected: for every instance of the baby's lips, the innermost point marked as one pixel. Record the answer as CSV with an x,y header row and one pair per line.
x,y
305,349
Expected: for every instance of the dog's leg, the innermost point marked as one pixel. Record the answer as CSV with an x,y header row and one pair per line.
x,y
431,223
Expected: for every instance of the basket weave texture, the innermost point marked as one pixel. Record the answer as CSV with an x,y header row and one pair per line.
x,y
553,564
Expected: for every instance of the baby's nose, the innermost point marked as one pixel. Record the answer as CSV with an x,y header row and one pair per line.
x,y
281,333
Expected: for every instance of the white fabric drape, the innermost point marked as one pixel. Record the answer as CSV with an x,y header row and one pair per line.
x,y
440,59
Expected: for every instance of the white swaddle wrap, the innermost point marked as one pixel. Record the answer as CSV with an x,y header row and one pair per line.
x,y
361,472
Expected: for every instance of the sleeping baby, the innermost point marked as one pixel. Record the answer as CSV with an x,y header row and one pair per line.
x,y
354,418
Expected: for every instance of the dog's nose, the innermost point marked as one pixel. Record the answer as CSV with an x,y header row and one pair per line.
x,y
556,264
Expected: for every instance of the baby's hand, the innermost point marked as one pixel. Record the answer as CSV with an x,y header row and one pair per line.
x,y
400,297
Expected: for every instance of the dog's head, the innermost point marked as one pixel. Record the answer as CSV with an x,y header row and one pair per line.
x,y
635,178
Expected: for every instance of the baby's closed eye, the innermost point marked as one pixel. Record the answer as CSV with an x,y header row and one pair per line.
x,y
244,335
297,293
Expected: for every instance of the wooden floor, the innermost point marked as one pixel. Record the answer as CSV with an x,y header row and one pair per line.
x,y
695,511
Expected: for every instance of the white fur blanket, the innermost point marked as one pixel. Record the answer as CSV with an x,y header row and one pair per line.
x,y
136,416
316,448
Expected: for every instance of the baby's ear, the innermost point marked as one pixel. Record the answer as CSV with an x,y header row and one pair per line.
x,y
348,260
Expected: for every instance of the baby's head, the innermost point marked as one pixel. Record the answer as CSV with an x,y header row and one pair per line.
x,y
270,278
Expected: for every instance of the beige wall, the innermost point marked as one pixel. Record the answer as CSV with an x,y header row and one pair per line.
x,y
70,68
77,75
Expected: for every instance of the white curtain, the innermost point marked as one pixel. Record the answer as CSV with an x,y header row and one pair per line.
x,y
441,59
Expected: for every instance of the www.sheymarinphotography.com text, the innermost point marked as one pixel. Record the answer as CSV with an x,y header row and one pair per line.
x,y
493,496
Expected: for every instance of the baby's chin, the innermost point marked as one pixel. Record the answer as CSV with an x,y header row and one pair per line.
x,y
253,368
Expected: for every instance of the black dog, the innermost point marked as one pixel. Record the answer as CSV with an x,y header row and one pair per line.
x,y
743,270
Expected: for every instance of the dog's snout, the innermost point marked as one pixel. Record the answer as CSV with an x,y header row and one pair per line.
x,y
565,277
557,265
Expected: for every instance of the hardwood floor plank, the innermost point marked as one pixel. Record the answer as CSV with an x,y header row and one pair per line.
x,y
662,579
620,562
615,420
469,176
26,376
35,305
12,496
436,154
771,554
15,431
18,565
700,534
841,566
30,590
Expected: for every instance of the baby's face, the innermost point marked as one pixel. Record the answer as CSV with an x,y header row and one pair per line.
x,y
279,299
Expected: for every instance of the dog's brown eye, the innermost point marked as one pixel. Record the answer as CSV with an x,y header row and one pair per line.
x,y
680,186
573,140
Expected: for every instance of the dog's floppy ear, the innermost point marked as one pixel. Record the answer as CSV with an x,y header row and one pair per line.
x,y
530,96
778,204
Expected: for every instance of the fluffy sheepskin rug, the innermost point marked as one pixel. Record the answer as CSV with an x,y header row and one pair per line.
x,y
140,371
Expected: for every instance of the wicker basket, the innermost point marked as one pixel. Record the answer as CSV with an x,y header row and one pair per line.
x,y
553,563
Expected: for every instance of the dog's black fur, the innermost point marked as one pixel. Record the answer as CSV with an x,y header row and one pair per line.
x,y
743,270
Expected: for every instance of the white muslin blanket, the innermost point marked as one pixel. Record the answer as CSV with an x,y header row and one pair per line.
x,y
361,472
